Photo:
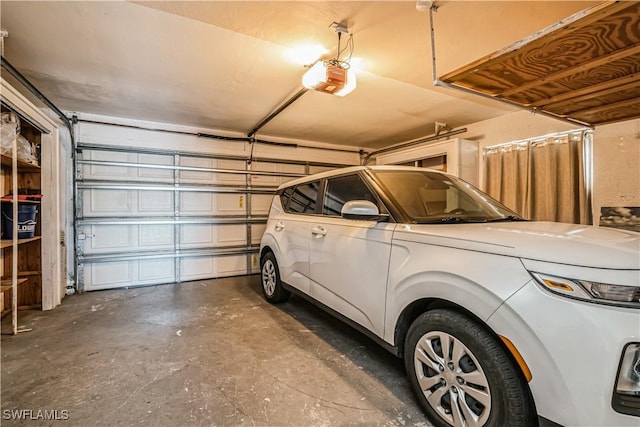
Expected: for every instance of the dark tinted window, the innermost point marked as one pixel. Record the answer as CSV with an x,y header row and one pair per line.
x,y
303,198
285,196
343,189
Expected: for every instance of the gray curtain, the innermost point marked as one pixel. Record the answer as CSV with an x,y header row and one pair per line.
x,y
544,180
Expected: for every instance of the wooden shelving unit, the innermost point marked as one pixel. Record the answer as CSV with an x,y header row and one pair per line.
x,y
21,279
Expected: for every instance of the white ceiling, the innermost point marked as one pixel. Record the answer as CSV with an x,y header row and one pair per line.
x,y
223,64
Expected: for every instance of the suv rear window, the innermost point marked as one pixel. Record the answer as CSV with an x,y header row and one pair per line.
x,y
302,198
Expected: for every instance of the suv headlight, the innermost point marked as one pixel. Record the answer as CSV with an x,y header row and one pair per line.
x,y
626,395
602,293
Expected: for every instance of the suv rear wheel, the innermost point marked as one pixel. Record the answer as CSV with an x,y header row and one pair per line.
x,y
462,375
271,284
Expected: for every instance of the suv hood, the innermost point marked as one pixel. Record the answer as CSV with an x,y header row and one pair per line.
x,y
579,245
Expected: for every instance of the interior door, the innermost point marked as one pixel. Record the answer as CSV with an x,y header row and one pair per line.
x,y
349,259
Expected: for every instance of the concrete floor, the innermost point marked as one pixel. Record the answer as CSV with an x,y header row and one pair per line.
x,y
200,353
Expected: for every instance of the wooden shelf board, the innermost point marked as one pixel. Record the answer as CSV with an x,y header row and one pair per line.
x,y
7,161
6,243
30,307
26,273
6,285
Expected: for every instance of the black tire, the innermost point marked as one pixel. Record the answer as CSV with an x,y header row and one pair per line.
x,y
270,277
475,380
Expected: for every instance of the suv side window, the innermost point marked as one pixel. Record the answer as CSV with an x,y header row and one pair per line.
x,y
343,189
303,198
285,195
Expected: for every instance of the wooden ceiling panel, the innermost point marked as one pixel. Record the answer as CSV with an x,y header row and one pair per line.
x,y
568,108
627,110
591,59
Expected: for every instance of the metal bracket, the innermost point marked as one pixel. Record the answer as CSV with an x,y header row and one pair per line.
x,y
339,27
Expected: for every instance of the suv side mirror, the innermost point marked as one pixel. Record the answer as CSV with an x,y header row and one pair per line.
x,y
362,210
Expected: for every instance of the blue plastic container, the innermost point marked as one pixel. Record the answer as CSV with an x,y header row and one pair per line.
x,y
26,220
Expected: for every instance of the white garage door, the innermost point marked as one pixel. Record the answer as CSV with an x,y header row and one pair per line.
x,y
151,216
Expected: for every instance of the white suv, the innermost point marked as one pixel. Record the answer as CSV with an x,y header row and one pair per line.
x,y
501,321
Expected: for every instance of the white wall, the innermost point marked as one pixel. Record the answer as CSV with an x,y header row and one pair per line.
x,y
616,153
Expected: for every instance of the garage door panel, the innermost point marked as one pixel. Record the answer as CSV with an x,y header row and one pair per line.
x,y
204,177
229,235
118,274
157,174
100,172
254,268
155,202
197,235
206,267
107,238
196,177
192,203
103,203
109,275
297,169
260,204
103,239
156,271
108,202
231,179
275,180
155,236
264,179
209,235
231,204
257,230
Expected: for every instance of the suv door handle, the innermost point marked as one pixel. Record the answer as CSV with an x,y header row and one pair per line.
x,y
279,226
318,231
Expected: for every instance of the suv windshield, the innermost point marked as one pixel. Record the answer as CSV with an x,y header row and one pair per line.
x,y
430,197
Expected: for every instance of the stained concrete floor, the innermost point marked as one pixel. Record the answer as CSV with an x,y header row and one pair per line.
x,y
200,353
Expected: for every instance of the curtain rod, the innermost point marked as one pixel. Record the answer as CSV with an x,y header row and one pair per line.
x,y
535,138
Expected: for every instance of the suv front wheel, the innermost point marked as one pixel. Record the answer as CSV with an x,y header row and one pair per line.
x,y
462,375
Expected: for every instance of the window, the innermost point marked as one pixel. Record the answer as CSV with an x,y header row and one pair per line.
x,y
302,198
343,189
285,195
430,197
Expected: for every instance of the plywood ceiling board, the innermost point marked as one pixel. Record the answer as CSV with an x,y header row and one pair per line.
x,y
578,57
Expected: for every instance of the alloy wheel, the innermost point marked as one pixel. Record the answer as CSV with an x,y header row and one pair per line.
x,y
452,380
269,277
